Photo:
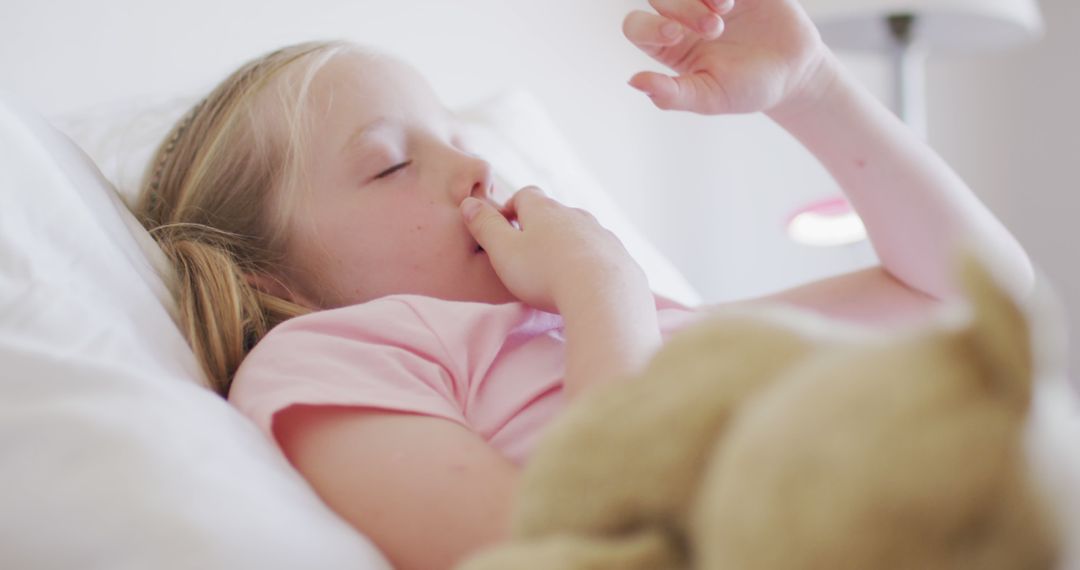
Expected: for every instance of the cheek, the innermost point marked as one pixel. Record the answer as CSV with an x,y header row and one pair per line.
x,y
391,244
395,236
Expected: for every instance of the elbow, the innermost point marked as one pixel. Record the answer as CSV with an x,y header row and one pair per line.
x,y
1009,267
1008,264
1012,269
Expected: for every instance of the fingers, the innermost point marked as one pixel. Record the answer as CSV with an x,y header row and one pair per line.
x,y
524,198
491,227
701,16
647,30
486,224
531,203
721,7
678,93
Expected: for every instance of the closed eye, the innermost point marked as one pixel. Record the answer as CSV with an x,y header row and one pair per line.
x,y
393,169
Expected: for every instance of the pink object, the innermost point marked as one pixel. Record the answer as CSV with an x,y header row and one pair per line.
x,y
496,369
827,207
826,223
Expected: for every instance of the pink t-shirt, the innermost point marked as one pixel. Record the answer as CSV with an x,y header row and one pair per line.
x,y
495,369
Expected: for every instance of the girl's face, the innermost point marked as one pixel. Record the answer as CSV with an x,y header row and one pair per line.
x,y
387,175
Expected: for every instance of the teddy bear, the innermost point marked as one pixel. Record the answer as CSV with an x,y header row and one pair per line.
x,y
775,439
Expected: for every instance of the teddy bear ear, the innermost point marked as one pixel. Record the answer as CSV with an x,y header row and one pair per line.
x,y
999,331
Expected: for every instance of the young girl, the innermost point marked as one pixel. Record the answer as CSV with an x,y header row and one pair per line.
x,y
422,333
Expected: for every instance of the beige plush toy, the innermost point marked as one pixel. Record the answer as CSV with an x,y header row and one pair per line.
x,y
772,439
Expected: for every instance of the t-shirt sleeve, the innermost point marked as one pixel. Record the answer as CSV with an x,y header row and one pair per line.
x,y
379,355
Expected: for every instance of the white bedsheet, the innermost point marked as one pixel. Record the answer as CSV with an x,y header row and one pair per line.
x,y
114,456
113,453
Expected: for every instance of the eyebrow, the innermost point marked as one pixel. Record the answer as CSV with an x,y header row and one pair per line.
x,y
361,132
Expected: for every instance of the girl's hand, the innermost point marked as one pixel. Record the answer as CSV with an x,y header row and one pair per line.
x,y
730,56
558,253
562,261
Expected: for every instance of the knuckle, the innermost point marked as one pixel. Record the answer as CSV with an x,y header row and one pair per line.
x,y
533,191
484,224
635,20
628,24
585,214
665,6
538,196
688,12
526,194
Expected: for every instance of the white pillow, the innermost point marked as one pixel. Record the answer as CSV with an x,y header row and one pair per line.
x,y
517,135
114,455
512,130
113,447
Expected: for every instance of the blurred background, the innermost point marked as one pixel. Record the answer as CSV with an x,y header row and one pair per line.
x,y
712,193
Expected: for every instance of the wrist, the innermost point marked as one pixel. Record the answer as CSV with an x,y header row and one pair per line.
x,y
820,85
609,336
603,284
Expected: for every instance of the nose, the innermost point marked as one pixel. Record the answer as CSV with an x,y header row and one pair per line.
x,y
474,178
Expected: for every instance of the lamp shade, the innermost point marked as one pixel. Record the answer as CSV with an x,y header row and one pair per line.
x,y
940,25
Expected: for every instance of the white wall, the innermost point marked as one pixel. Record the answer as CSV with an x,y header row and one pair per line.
x,y
711,192
1009,123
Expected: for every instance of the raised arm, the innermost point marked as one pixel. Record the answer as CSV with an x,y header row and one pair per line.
x,y
916,209
742,56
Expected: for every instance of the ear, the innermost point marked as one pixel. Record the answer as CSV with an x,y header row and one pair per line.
x,y
272,285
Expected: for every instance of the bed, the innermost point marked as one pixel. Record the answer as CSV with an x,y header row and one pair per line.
x,y
116,454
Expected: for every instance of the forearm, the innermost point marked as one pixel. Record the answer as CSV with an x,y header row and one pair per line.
x,y
916,210
608,336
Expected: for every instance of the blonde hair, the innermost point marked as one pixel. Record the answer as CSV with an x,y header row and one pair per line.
x,y
216,197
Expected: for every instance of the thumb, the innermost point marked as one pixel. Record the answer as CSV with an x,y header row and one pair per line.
x,y
486,224
683,93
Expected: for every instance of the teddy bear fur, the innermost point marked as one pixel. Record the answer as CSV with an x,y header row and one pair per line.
x,y
777,439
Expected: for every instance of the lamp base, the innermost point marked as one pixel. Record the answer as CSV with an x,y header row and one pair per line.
x,y
909,72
